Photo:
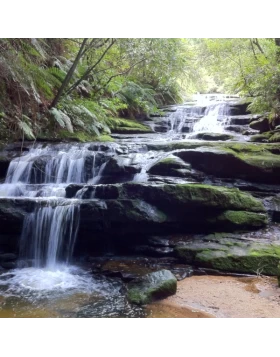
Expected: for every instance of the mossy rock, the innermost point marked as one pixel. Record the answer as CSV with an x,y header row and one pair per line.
x,y
118,166
170,166
191,196
126,126
79,136
275,138
248,162
214,136
262,124
242,219
261,138
244,257
152,286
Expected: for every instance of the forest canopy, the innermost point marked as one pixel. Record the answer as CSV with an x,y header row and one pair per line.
x,y
81,84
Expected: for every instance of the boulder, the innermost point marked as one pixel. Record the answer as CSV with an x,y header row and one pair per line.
x,y
117,166
233,255
261,124
235,128
170,166
214,136
239,120
239,107
261,138
253,163
150,287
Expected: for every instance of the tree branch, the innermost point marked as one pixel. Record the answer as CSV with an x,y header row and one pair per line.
x,y
69,75
84,76
256,42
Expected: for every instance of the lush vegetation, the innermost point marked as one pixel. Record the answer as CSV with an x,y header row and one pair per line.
x,y
248,67
76,87
49,87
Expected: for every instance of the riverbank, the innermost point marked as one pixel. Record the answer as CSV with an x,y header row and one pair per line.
x,y
222,297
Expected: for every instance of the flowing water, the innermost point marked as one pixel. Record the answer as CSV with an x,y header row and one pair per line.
x,y
46,283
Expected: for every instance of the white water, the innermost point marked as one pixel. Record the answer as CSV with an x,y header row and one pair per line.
x,y
49,232
40,280
197,119
214,120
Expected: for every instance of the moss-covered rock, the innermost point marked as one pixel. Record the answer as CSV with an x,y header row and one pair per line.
x,y
242,219
117,166
274,138
125,126
79,136
158,208
191,196
170,166
152,286
238,256
214,136
261,124
261,138
257,164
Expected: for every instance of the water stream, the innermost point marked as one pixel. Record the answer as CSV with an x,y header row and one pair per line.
x,y
46,283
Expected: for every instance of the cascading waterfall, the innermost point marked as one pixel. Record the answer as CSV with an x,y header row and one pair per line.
x,y
45,171
49,234
184,118
214,119
197,119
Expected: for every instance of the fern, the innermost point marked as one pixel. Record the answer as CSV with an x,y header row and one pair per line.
x,y
26,130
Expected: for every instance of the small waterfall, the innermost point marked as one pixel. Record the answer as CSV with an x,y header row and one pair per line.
x,y
45,171
183,119
202,117
49,234
214,120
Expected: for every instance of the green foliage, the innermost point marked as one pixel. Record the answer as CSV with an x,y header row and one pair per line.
x,y
27,131
127,78
248,67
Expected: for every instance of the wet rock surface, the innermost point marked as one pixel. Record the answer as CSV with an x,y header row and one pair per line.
x,y
131,267
151,287
232,254
152,197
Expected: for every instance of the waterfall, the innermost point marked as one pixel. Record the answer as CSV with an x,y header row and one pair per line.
x,y
214,119
49,234
183,119
194,119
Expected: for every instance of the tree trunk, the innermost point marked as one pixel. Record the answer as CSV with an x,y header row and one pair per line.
x,y
69,75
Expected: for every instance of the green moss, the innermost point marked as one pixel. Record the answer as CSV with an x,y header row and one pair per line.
x,y
169,167
104,138
139,297
246,257
275,138
214,196
152,286
261,137
126,126
80,136
241,264
271,250
243,219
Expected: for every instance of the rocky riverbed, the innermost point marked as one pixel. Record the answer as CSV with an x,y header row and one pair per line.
x,y
178,198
